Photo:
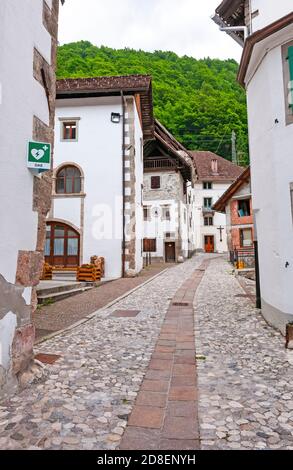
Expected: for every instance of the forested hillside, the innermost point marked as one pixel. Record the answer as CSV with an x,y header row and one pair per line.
x,y
199,101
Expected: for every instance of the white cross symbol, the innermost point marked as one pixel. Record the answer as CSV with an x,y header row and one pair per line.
x,y
45,148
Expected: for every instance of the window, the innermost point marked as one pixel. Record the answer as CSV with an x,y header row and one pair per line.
x,y
244,208
287,55
170,235
146,213
207,185
150,245
166,213
155,182
68,181
246,237
208,202
69,130
208,221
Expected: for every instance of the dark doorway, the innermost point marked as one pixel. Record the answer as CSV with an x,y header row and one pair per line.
x,y
209,244
170,252
62,246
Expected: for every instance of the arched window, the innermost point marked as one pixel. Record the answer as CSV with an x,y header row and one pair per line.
x,y
68,180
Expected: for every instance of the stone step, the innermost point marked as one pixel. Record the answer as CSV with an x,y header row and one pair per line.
x,y
52,298
59,287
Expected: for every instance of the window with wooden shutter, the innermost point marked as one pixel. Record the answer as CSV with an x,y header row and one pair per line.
x,y
155,182
150,245
290,62
287,59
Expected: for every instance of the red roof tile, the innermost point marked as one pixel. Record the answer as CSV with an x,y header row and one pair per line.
x,y
227,171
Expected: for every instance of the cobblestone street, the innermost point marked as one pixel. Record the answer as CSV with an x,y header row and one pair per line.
x,y
89,397
89,393
246,382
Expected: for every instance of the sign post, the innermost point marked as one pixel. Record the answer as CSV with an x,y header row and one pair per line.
x,y
39,156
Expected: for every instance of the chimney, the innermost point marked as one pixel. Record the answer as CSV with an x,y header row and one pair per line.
x,y
214,165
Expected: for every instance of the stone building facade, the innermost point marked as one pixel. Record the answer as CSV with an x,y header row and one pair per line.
x,y
28,31
168,180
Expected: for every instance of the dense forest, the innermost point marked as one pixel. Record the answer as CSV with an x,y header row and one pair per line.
x,y
199,101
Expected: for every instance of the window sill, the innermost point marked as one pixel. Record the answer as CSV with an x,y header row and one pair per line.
x,y
73,195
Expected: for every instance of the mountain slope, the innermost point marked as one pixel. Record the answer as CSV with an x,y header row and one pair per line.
x,y
199,101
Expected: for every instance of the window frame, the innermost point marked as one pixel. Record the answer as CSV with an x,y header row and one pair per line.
x,y
65,178
152,245
239,201
241,230
205,199
155,187
207,185
208,219
63,122
287,81
166,210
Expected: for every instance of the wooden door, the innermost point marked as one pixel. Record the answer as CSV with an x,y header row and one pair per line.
x,y
62,246
209,244
170,252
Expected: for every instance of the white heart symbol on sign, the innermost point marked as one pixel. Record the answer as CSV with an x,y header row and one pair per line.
x,y
38,154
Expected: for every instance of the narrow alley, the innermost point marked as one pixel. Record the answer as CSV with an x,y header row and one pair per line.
x,y
109,370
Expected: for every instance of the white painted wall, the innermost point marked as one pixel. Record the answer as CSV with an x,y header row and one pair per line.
x,y
69,207
269,11
272,172
98,152
219,219
21,97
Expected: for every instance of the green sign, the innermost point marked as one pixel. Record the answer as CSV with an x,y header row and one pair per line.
x,y
39,156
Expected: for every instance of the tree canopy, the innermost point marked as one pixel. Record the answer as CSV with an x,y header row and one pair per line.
x,y
199,101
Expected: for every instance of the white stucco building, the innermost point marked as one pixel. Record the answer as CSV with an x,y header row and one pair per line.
x,y
28,38
101,126
167,198
266,71
214,176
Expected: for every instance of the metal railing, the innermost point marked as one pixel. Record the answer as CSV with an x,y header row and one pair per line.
x,y
243,258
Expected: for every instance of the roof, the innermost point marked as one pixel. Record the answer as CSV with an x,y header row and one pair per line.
x,y
227,171
232,13
166,143
256,38
113,86
244,178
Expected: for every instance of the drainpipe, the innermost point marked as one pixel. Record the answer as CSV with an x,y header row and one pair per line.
x,y
123,184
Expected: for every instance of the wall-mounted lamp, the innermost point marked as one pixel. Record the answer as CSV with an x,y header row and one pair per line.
x,y
115,118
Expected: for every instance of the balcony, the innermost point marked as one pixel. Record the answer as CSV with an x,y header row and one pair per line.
x,y
158,164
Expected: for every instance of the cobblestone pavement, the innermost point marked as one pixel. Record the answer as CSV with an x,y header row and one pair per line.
x,y
246,382
84,400
62,314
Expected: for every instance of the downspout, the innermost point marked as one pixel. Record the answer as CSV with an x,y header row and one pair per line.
x,y
123,184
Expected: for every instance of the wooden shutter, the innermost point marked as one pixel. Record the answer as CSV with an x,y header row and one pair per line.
x,y
155,182
290,61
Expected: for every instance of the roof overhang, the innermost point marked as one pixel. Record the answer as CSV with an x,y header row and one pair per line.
x,y
165,141
258,44
113,86
244,178
231,13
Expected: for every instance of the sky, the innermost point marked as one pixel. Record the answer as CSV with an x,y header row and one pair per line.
x,y
181,26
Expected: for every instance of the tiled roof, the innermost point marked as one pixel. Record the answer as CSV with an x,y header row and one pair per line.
x,y
227,171
244,178
99,86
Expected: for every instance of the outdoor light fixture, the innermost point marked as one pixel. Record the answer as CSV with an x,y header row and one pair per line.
x,y
115,118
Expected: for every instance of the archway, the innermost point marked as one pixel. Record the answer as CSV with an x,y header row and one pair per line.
x,y
62,247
